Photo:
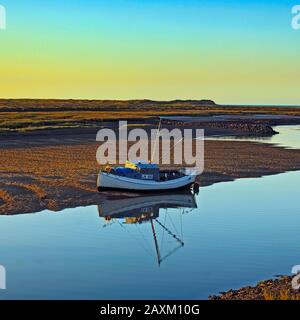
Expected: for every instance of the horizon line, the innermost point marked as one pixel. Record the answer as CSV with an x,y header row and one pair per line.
x,y
155,100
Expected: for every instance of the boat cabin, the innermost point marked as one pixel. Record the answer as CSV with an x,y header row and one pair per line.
x,y
137,170
147,171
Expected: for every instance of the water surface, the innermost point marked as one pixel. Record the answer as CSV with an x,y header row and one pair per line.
x,y
288,137
241,232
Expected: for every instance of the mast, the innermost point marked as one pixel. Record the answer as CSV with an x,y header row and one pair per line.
x,y
157,134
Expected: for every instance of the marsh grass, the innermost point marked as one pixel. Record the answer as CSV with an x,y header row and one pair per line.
x,y
30,115
283,294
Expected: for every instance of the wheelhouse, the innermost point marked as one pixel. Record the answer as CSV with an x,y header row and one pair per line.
x,y
147,171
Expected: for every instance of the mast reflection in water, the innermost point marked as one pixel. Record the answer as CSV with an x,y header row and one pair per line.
x,y
151,209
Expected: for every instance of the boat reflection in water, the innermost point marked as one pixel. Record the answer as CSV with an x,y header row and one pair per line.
x,y
137,210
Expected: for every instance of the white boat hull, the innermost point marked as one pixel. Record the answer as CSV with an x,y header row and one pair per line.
x,y
111,181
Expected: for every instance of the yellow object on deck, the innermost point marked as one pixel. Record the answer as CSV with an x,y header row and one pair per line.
x,y
131,165
108,168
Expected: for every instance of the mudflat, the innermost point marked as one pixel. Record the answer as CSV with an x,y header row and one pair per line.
x,y
58,170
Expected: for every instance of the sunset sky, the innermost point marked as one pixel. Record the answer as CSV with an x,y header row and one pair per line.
x,y
229,51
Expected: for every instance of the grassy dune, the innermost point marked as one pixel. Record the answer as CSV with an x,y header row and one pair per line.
x,y
29,115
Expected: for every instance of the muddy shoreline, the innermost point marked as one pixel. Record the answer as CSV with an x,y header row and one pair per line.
x,y
279,288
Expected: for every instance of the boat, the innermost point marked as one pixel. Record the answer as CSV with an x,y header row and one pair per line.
x,y
141,176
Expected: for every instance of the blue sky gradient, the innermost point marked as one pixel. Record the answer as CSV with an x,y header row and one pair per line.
x,y
230,51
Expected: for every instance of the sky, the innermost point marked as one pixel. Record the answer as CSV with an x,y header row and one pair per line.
x,y
234,52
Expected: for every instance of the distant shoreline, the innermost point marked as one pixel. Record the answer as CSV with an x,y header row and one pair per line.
x,y
29,115
198,101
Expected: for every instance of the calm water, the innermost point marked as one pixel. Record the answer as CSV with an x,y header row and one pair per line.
x,y
241,232
289,137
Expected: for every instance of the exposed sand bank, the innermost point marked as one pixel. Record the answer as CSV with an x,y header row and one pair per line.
x,y
59,171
